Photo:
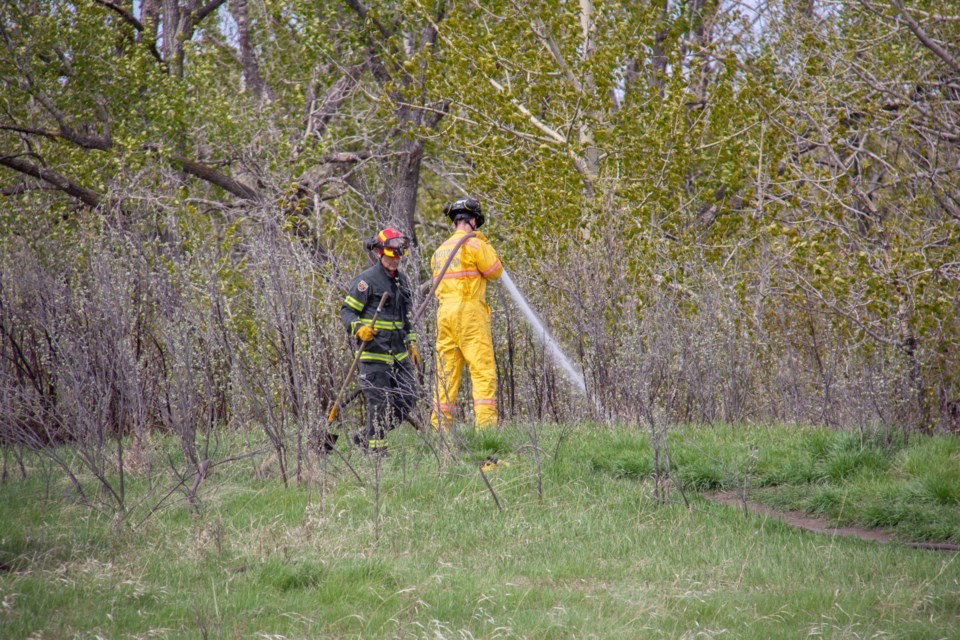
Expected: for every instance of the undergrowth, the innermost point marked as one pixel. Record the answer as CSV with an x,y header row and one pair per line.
x,y
422,546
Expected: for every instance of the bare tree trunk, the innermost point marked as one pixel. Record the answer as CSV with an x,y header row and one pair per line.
x,y
252,79
171,44
150,19
403,200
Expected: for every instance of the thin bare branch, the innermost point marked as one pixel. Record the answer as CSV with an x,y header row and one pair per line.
x,y
364,13
128,17
206,10
925,38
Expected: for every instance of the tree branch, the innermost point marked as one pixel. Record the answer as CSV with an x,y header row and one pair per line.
x,y
30,131
203,12
346,157
130,19
248,55
543,34
102,143
927,41
123,13
18,163
24,187
214,177
338,92
361,10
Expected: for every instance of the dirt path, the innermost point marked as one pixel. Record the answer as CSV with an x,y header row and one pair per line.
x,y
819,525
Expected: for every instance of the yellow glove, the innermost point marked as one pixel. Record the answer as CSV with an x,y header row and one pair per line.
x,y
414,354
366,332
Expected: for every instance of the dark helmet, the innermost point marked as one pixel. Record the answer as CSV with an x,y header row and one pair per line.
x,y
464,209
389,242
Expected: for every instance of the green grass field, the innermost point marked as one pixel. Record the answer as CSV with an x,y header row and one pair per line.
x,y
580,548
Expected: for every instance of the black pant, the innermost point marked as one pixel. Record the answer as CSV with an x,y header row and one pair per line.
x,y
390,392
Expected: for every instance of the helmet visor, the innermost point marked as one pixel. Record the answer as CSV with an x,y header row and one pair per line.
x,y
395,247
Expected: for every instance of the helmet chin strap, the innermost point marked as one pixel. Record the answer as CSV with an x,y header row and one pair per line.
x,y
470,220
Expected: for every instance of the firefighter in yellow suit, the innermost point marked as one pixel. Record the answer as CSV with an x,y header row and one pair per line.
x,y
463,318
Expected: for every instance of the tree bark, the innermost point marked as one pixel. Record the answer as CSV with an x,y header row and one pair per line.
x,y
403,203
213,176
248,56
90,198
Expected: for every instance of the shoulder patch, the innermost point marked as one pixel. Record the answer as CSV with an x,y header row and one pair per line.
x,y
362,286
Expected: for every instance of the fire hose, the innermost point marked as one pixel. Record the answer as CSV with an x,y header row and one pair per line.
x,y
326,439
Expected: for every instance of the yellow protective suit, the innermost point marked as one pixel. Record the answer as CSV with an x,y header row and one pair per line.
x,y
463,329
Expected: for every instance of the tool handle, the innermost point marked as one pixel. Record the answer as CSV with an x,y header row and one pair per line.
x,y
353,365
436,281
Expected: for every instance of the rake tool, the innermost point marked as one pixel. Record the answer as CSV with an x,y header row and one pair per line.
x,y
330,439
327,439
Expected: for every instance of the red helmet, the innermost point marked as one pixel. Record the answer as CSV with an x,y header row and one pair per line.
x,y
390,243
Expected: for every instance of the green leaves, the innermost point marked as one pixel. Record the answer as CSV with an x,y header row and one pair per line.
x,y
806,164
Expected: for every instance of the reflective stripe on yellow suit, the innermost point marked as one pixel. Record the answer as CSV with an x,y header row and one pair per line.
x,y
463,329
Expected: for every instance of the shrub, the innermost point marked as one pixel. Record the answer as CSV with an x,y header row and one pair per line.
x,y
940,486
287,576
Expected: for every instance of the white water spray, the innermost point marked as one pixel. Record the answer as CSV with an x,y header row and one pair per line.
x,y
549,343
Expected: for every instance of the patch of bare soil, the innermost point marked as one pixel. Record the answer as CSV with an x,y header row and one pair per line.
x,y
819,525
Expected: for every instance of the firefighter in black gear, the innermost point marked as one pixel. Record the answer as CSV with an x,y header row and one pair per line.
x,y
387,361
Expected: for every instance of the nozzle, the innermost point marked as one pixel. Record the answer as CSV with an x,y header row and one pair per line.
x,y
490,463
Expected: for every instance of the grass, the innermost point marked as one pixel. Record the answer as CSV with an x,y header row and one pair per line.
x,y
909,489
595,557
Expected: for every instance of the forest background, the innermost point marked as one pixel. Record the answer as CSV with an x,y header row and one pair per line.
x,y
723,211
